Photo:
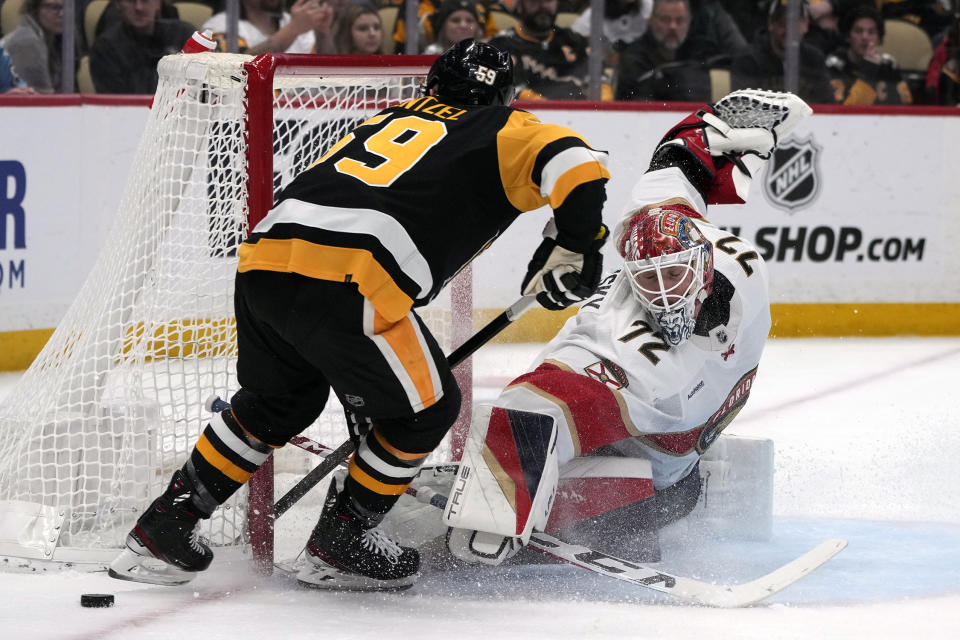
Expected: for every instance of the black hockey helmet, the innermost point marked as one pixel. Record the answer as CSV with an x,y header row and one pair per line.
x,y
472,72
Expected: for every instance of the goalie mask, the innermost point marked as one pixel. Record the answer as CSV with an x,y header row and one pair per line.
x,y
670,268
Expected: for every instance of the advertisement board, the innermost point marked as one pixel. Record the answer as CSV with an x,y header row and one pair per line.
x,y
854,213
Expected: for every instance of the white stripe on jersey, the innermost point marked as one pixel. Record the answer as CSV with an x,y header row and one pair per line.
x,y
654,187
664,184
385,229
416,403
563,162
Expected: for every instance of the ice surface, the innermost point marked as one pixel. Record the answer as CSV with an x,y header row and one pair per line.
x,y
866,438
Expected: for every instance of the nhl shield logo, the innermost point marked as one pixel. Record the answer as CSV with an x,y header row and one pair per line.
x,y
793,175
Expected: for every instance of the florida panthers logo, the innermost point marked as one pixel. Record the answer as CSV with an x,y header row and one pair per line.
x,y
792,179
608,373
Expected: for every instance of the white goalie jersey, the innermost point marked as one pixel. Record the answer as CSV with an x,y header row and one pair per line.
x,y
664,403
652,368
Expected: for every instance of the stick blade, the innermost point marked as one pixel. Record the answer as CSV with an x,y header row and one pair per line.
x,y
748,593
690,589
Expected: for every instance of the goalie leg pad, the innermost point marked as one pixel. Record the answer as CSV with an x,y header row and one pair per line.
x,y
508,475
609,504
737,495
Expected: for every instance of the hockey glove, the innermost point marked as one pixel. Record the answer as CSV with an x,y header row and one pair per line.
x,y
358,426
722,147
560,277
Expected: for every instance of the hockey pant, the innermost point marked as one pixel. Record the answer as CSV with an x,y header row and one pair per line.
x,y
297,338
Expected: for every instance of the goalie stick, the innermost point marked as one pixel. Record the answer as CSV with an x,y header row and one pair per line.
x,y
690,589
333,458
705,593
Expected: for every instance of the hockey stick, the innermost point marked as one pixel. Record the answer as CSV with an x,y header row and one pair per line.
x,y
713,595
459,354
335,457
706,593
491,329
691,589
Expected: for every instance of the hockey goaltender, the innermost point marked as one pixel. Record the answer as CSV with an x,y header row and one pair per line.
x,y
606,440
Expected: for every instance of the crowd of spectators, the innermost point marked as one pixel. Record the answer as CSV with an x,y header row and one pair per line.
x,y
653,50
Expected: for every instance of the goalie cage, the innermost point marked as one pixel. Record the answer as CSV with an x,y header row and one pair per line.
x,y
114,402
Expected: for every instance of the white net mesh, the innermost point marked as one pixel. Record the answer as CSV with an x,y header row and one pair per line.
x,y
753,108
114,403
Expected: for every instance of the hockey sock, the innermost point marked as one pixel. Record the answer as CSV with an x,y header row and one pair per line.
x,y
379,474
223,460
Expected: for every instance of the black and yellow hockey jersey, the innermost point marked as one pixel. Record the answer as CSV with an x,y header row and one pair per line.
x,y
410,196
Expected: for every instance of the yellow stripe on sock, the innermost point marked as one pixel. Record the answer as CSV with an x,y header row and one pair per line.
x,y
222,464
375,485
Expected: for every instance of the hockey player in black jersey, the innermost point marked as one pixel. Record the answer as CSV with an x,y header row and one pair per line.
x,y
326,292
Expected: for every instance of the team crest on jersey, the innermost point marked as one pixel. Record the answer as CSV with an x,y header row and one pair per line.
x,y
792,180
713,427
608,373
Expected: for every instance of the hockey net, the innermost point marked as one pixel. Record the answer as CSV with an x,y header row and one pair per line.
x,y
114,403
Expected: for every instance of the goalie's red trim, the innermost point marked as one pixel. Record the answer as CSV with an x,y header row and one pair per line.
x,y
581,498
591,407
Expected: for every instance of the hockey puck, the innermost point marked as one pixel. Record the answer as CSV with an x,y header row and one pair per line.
x,y
96,600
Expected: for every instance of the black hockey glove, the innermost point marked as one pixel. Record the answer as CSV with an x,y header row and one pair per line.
x,y
560,277
358,426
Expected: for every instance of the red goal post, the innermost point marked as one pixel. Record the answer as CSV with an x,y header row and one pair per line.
x,y
114,402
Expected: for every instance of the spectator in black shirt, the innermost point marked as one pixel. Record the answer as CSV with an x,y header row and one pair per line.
x,y
550,62
124,57
715,30
762,66
664,64
861,73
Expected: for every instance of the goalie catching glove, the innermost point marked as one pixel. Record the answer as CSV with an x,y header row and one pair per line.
x,y
722,147
561,277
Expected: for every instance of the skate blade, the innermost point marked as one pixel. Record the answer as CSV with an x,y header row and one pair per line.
x,y
323,576
135,567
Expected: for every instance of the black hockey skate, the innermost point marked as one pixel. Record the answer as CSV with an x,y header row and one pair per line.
x,y
345,552
163,547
